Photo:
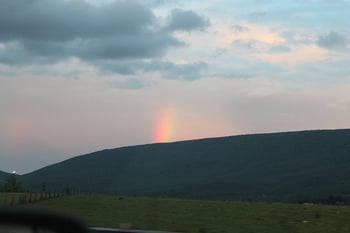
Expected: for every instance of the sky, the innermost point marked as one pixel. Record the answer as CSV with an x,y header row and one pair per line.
x,y
78,76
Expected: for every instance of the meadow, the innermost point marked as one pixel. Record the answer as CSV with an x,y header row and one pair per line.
x,y
199,216
13,199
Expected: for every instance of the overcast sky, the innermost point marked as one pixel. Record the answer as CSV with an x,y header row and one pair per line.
x,y
80,76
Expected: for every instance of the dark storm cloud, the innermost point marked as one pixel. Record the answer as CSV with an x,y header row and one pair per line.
x,y
181,20
332,40
65,20
43,31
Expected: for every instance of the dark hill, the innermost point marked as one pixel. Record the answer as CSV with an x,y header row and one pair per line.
x,y
278,166
3,176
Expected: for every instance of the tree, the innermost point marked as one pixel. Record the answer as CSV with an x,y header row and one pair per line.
x,y
11,184
66,190
43,187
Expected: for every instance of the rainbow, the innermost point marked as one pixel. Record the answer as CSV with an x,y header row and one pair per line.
x,y
164,125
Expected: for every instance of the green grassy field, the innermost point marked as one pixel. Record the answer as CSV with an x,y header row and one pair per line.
x,y
10,199
202,216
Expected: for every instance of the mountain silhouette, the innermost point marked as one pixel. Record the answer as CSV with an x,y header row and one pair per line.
x,y
285,166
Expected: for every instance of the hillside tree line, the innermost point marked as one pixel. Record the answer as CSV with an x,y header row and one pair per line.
x,y
11,185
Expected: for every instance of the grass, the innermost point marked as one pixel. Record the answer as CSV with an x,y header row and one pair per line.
x,y
202,216
11,199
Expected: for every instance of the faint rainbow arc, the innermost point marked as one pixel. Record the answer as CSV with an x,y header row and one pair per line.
x,y
164,125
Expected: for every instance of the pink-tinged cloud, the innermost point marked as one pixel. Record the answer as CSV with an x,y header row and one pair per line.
x,y
252,32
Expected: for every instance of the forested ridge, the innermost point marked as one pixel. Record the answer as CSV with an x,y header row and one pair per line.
x,y
287,166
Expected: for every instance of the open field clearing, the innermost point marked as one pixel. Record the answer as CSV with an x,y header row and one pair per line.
x,y
202,216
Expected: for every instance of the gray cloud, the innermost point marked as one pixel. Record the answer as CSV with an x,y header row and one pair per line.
x,y
130,84
182,20
44,31
138,45
279,49
239,28
190,71
168,70
249,44
65,20
116,37
332,40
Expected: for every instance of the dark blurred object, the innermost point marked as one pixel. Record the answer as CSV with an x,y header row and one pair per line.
x,y
109,230
34,220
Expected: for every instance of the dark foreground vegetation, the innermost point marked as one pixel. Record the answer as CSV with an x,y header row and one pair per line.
x,y
11,184
12,193
199,216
